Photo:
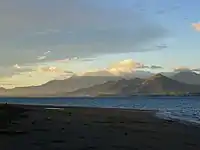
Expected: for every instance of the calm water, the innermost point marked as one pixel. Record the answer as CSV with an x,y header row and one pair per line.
x,y
182,108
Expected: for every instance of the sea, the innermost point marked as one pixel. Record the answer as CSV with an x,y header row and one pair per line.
x,y
185,109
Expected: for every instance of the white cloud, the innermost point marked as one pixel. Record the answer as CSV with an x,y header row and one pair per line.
x,y
41,57
17,66
47,52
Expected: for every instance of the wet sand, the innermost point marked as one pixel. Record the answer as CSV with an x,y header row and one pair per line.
x,y
36,128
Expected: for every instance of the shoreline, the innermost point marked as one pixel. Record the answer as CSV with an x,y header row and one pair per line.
x,y
106,96
155,113
35,127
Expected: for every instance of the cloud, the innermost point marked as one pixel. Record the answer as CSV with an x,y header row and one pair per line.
x,y
196,26
16,66
197,69
186,69
6,72
63,60
44,56
179,69
41,57
69,72
127,66
48,31
53,69
68,59
156,67
124,66
94,29
130,65
162,46
47,52
87,59
58,73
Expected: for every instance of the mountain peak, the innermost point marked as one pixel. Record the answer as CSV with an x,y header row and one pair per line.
x,y
157,76
156,84
1,88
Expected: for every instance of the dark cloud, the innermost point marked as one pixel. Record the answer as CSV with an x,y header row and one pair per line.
x,y
68,72
162,46
197,69
142,66
156,67
87,28
160,12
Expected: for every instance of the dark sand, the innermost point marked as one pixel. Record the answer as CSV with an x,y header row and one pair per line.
x,y
34,128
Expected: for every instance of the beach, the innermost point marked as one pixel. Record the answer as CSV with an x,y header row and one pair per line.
x,y
74,128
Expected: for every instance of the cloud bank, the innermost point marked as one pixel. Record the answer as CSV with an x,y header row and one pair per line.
x,y
83,29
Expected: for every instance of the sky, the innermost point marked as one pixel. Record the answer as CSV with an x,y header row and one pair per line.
x,y
42,40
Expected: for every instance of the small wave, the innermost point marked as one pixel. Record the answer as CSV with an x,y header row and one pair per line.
x,y
178,116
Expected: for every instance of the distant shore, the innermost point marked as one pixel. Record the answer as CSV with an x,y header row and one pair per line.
x,y
33,127
108,95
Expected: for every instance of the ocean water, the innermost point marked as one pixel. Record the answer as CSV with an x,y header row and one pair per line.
x,y
179,108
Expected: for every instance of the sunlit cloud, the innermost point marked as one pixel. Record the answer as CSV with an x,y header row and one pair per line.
x,y
127,65
180,69
196,26
16,66
122,67
130,66
51,69
186,69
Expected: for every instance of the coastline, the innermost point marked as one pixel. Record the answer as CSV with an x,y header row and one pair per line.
x,y
106,95
32,127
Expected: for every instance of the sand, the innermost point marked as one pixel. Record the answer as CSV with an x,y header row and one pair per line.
x,y
36,128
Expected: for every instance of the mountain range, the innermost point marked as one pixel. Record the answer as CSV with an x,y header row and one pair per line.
x,y
157,84
93,85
